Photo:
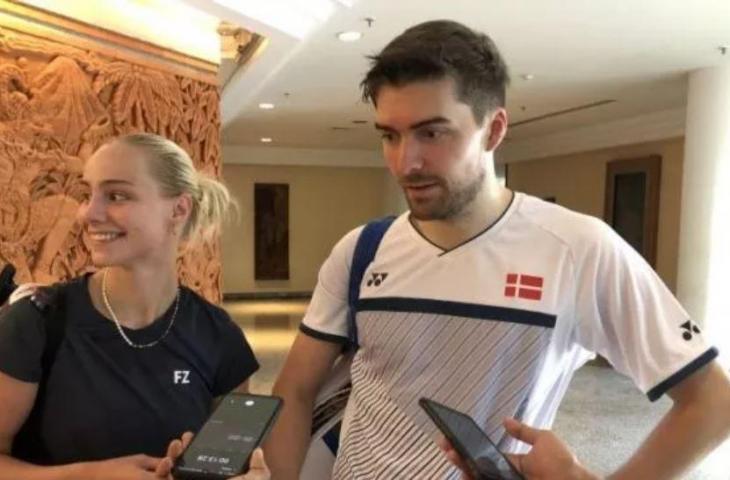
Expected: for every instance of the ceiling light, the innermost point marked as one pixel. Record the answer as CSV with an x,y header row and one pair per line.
x,y
266,106
351,36
266,140
528,76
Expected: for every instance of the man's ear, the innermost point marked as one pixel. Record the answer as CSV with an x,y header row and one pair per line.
x,y
497,129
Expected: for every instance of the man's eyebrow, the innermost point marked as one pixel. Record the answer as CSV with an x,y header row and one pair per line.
x,y
422,123
430,121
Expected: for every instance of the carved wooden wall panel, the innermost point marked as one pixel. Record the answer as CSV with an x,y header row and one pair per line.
x,y
58,103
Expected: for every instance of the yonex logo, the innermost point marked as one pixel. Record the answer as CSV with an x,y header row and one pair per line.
x,y
689,328
528,287
376,279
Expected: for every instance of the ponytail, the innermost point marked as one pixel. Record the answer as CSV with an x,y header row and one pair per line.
x,y
174,171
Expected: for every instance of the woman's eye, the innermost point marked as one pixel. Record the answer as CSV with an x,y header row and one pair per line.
x,y
117,197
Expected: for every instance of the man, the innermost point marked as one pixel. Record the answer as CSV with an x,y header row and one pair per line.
x,y
488,299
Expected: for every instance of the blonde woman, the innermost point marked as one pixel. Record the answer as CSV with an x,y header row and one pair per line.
x,y
142,357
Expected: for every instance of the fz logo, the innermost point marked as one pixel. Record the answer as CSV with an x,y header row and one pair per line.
x,y
689,328
181,377
376,279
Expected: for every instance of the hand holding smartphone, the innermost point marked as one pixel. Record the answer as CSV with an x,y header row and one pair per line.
x,y
480,454
223,447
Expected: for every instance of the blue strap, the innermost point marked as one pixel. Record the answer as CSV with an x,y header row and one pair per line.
x,y
365,249
332,438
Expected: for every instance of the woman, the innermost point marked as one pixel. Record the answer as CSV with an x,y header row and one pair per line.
x,y
142,358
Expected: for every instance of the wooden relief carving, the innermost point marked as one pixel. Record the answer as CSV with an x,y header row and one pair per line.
x,y
58,103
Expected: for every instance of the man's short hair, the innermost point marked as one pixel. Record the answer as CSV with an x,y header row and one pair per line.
x,y
442,49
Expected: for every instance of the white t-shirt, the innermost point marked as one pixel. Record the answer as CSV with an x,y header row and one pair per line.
x,y
494,328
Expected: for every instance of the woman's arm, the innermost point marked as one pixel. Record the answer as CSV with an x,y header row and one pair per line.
x,y
17,398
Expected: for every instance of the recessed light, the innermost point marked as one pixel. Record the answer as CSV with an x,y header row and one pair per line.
x,y
528,76
266,106
351,36
266,140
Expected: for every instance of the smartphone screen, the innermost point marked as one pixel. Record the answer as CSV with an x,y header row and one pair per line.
x,y
224,445
474,446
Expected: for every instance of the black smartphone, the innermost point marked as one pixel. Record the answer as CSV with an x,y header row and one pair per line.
x,y
223,446
480,454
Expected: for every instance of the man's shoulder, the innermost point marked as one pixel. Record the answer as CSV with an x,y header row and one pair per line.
x,y
346,244
574,229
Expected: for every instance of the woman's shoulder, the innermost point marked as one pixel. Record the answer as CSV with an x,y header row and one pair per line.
x,y
31,312
199,305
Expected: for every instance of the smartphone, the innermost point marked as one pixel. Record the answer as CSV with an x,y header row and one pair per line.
x,y
480,454
223,446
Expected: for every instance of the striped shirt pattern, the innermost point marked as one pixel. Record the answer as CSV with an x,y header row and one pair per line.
x,y
406,355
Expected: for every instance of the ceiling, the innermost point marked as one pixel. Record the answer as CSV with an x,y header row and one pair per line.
x,y
165,23
579,52
626,58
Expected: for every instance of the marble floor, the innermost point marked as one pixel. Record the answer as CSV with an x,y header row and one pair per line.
x,y
603,416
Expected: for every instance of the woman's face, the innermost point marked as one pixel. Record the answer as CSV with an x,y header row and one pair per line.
x,y
125,218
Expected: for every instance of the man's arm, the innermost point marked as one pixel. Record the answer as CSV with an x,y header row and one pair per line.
x,y
696,424
307,366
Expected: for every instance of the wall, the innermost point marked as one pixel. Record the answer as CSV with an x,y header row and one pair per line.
x,y
61,96
578,182
325,202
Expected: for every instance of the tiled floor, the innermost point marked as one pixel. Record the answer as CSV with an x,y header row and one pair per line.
x,y
603,416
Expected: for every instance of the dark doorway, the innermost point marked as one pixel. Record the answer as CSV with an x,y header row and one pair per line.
x,y
271,231
632,202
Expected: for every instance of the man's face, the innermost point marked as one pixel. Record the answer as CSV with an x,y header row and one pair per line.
x,y
432,146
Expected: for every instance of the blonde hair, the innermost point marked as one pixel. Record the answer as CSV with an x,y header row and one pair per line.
x,y
174,171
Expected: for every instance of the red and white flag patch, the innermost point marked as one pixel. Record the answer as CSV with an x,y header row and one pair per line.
x,y
523,286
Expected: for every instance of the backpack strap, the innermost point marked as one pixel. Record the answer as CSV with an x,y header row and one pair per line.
x,y
6,282
367,245
49,304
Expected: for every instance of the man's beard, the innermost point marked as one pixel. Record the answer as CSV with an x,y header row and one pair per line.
x,y
451,203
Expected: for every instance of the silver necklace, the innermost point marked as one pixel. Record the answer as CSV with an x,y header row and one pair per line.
x,y
119,326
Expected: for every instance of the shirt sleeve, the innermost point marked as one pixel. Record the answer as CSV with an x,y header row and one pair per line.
x,y
237,361
22,339
326,316
626,313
